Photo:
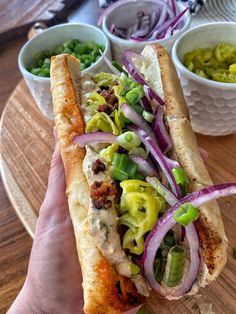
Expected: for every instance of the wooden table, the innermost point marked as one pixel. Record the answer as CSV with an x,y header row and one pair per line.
x,y
15,243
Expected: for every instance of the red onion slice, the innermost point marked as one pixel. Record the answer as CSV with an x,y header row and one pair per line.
x,y
145,103
131,68
175,22
137,76
163,138
162,18
172,23
172,163
182,233
145,166
151,94
192,274
168,32
134,117
165,223
95,137
158,156
173,6
152,244
167,194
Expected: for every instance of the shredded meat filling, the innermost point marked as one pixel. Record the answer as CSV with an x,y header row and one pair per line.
x,y
103,194
98,166
110,97
108,109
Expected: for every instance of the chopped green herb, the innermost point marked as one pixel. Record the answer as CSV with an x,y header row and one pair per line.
x,y
86,52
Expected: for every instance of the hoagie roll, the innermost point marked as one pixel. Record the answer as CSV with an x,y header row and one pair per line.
x,y
140,197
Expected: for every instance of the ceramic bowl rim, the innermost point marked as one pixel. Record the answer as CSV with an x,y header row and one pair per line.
x,y
186,71
29,75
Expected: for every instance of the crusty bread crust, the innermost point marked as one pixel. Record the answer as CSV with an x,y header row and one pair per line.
x,y
213,241
101,295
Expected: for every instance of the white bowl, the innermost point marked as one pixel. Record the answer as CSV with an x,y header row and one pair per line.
x,y
48,40
125,16
212,104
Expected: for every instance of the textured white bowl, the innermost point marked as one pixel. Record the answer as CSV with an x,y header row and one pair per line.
x,y
125,16
212,104
49,39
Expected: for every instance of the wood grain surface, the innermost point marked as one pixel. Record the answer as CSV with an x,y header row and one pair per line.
x,y
15,242
27,145
18,15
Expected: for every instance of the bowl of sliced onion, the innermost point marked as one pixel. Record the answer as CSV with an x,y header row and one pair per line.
x,y
131,24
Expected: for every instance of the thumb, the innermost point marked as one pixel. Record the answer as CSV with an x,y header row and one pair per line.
x,y
55,196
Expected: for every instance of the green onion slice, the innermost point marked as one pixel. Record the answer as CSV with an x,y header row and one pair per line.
x,y
174,266
181,179
123,167
186,214
148,116
119,174
128,140
119,67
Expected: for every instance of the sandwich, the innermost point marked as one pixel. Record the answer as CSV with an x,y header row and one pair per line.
x,y
140,197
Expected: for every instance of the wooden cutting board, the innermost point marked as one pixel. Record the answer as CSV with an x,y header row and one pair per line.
x,y
26,148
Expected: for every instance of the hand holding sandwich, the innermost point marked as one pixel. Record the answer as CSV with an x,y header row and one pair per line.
x,y
54,278
54,281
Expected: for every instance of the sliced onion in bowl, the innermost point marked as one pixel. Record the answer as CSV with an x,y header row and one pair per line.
x,y
173,6
95,137
159,23
174,22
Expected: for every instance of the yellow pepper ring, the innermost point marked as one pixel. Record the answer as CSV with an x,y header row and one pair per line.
x,y
133,243
143,207
101,121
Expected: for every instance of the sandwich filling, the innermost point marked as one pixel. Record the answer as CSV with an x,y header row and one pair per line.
x,y
140,213
124,207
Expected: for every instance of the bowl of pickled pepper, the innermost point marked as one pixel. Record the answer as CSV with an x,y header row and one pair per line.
x,y
205,58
